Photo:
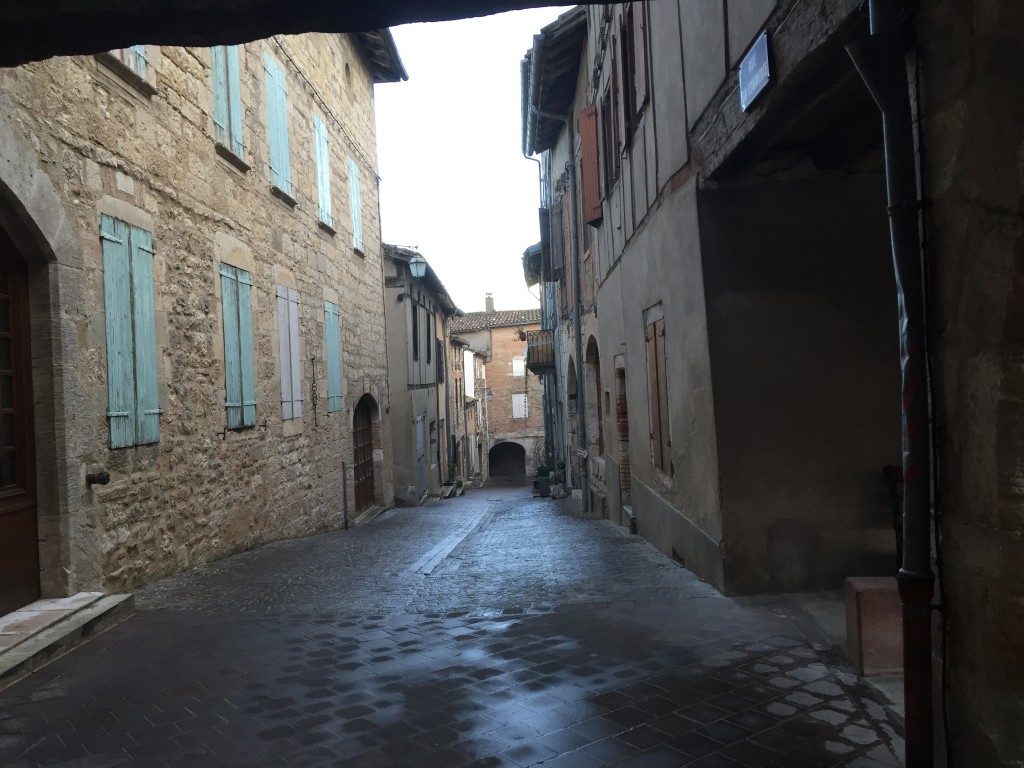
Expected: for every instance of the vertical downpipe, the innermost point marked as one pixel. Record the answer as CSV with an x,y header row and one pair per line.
x,y
344,492
881,62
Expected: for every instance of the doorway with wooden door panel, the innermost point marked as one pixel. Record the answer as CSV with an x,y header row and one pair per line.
x,y
19,536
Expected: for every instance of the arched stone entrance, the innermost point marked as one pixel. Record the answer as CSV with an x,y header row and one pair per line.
x,y
507,460
365,437
19,535
42,261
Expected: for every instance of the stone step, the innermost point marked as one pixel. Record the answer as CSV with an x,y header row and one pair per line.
x,y
46,629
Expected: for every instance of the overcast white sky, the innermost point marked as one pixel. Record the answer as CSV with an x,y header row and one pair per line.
x,y
454,182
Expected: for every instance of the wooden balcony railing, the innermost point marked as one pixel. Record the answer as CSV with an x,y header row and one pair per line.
x,y
540,351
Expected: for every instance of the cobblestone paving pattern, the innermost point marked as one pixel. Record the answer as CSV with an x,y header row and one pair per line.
x,y
491,630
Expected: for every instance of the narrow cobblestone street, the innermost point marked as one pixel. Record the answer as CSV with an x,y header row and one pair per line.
x,y
491,630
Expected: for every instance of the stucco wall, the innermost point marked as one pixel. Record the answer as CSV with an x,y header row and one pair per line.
x,y
805,365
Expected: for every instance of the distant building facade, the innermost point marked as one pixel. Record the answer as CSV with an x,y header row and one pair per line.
x,y
417,311
515,420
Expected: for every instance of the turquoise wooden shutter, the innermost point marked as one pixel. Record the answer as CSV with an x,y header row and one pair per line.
x,y
139,61
332,341
247,349
356,203
232,347
323,170
277,126
234,100
147,395
117,294
221,118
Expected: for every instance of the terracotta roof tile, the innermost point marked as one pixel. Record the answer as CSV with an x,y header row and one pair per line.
x,y
478,321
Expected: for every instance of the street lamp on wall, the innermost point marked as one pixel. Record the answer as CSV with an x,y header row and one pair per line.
x,y
418,266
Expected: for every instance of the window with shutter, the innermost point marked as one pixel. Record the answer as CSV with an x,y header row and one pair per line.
x,y
415,335
355,204
133,405
519,406
518,367
657,380
289,351
323,170
332,345
557,240
589,175
227,98
277,126
239,364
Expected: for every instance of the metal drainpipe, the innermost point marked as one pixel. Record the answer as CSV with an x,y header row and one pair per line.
x,y
880,61
581,384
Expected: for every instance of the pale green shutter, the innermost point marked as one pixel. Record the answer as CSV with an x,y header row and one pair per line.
x,y
356,204
117,287
138,58
232,347
247,348
147,396
234,100
277,126
332,341
220,93
323,170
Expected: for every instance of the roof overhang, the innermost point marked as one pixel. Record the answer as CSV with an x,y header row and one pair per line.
x,y
549,72
532,265
38,29
382,56
402,255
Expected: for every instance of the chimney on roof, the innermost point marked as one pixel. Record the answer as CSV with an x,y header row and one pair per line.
x,y
489,303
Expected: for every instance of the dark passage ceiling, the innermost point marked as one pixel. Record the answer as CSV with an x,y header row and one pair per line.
x,y
38,29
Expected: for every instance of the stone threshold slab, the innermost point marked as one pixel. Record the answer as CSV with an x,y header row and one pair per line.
x,y
40,632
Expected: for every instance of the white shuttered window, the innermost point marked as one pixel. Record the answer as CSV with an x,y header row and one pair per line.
x,y
289,352
356,204
519,406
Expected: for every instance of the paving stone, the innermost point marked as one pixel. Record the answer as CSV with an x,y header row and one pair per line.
x,y
542,636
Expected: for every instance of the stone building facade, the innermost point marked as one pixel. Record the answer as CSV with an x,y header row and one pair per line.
x,y
728,261
194,239
515,418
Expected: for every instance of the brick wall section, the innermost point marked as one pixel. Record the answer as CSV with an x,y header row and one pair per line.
x,y
501,385
201,493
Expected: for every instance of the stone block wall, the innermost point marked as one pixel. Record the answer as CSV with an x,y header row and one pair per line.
x,y
144,152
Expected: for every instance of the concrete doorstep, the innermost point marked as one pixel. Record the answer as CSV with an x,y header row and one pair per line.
x,y
46,629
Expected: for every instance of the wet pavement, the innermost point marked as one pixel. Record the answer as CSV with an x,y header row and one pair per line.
x,y
490,630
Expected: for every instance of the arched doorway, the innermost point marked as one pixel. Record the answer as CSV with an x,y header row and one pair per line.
x,y
595,410
19,536
507,460
362,441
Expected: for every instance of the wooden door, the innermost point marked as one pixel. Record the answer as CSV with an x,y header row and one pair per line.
x,y
19,538
363,442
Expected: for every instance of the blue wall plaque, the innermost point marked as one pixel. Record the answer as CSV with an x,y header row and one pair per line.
x,y
755,72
